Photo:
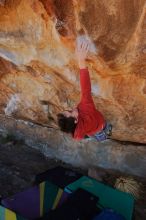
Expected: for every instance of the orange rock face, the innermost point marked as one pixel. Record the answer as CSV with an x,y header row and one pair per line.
x,y
38,69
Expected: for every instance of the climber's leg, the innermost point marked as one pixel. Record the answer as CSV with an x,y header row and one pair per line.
x,y
104,134
108,129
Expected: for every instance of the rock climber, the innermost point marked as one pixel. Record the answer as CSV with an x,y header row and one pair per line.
x,y
84,121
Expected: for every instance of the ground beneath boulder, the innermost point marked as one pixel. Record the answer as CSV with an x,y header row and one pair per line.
x,y
19,164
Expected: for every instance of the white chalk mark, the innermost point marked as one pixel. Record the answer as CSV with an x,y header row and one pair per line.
x,y
12,104
92,48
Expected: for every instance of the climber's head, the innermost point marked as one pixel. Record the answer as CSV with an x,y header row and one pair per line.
x,y
68,120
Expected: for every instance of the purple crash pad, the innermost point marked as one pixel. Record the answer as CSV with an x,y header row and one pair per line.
x,y
26,203
36,201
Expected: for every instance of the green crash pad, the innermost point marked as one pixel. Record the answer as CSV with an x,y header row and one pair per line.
x,y
121,202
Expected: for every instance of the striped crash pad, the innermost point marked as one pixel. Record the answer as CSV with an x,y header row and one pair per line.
x,y
6,214
33,202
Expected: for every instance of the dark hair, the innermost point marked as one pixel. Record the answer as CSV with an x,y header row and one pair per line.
x,y
66,124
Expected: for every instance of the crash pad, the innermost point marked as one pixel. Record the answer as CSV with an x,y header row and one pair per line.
x,y
59,175
109,197
6,214
35,201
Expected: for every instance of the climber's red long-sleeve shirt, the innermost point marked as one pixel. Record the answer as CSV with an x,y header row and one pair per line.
x,y
90,120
